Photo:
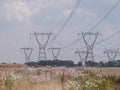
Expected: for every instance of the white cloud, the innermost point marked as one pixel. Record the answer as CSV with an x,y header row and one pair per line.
x,y
21,11
17,10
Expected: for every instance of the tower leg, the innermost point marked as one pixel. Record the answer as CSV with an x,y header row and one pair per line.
x,y
42,54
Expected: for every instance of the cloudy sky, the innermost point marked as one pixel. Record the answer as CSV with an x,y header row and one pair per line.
x,y
20,18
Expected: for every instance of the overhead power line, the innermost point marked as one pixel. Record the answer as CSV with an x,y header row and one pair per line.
x,y
60,17
114,34
102,19
111,36
67,20
70,44
69,17
108,13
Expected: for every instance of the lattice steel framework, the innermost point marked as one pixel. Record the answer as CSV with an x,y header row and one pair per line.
x,y
82,55
55,53
111,54
28,53
42,46
90,46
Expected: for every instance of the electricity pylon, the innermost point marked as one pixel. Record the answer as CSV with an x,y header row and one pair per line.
x,y
42,45
27,52
82,55
89,45
55,53
112,54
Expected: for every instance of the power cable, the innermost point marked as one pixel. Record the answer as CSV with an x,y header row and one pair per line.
x,y
70,44
67,20
108,37
69,17
101,20
108,13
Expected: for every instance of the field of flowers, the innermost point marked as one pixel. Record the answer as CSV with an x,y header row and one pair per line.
x,y
56,78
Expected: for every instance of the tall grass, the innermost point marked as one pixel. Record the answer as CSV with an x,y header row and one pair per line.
x,y
54,78
26,85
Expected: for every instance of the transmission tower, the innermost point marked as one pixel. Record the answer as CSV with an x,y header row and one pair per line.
x,y
27,52
40,37
111,54
89,45
55,52
82,55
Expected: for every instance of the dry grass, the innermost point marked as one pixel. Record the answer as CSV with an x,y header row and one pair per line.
x,y
110,70
54,84
51,85
26,85
12,65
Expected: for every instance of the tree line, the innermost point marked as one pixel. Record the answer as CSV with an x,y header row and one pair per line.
x,y
70,63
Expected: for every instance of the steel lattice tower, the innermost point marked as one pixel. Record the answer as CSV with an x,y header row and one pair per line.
x,y
90,46
82,55
55,53
111,54
42,46
27,52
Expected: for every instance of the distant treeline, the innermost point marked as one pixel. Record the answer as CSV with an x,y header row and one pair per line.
x,y
70,63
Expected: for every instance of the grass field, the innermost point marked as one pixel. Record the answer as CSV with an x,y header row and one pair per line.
x,y
21,77
110,70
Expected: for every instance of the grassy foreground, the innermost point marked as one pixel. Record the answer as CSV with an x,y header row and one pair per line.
x,y
26,85
59,78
